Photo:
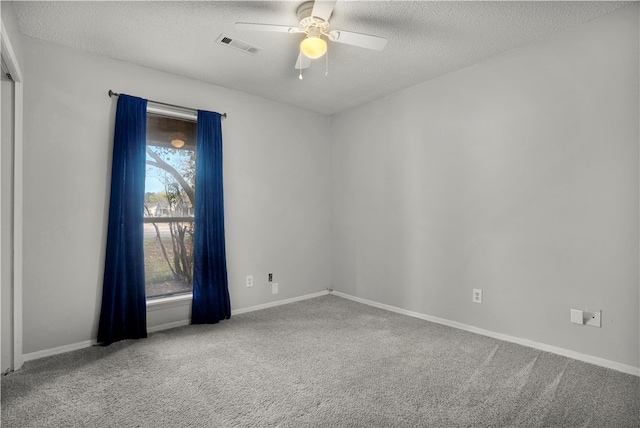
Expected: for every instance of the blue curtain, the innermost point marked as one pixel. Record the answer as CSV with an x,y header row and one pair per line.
x,y
210,289
124,314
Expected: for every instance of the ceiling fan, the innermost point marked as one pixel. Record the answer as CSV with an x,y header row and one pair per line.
x,y
313,20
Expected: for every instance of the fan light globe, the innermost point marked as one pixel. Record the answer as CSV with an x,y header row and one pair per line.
x,y
177,143
313,47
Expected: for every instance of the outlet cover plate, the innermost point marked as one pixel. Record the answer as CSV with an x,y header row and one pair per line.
x,y
477,295
249,281
576,316
274,288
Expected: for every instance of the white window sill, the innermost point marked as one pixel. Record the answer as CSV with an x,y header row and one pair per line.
x,y
169,302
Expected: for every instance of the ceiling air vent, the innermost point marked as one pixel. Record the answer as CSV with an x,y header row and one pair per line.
x,y
238,44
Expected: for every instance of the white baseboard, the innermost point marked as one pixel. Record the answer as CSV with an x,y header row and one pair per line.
x,y
87,343
624,368
278,303
241,310
58,350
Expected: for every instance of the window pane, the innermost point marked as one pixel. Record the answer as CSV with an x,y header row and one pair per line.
x,y
168,253
169,195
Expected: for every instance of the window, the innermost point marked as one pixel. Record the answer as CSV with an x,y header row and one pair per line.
x,y
168,205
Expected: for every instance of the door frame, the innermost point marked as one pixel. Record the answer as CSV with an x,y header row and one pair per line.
x,y
11,62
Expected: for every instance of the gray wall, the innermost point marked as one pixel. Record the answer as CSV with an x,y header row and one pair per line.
x,y
277,183
518,176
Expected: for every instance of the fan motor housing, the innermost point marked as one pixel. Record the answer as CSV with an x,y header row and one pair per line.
x,y
307,21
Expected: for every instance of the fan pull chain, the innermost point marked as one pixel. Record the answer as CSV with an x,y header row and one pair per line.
x,y
326,69
300,65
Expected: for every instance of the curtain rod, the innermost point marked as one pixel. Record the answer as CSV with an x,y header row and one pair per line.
x,y
115,94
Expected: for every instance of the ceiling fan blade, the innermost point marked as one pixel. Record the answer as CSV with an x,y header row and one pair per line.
x,y
357,39
249,26
323,9
303,61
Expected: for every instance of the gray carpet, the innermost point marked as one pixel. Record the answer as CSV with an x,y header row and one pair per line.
x,y
324,362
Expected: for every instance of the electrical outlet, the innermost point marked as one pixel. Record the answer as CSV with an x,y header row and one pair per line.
x,y
477,295
274,288
249,281
270,277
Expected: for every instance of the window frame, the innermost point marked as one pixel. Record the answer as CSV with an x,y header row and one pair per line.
x,y
179,298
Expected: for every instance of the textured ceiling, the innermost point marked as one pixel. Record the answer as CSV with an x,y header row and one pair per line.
x,y
426,39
